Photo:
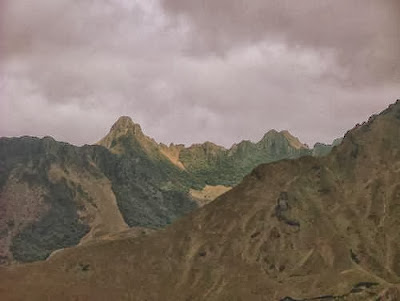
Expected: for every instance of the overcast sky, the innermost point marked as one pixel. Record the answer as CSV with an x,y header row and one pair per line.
x,y
190,70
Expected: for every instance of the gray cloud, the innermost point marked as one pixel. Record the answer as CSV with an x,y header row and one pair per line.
x,y
365,34
190,71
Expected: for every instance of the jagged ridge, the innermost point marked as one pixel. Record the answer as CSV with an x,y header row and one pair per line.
x,y
128,179
308,228
209,163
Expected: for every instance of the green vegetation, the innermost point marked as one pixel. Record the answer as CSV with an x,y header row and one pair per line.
x,y
136,181
212,165
140,183
59,228
150,190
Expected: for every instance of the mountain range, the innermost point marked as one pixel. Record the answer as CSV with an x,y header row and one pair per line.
x,y
55,195
314,228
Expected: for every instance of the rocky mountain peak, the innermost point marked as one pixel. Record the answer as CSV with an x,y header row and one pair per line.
x,y
270,134
274,135
123,127
293,141
125,123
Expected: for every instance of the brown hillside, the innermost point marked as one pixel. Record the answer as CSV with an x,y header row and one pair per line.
x,y
307,229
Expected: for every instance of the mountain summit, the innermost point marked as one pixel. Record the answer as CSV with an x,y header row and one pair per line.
x,y
208,162
294,141
125,124
123,127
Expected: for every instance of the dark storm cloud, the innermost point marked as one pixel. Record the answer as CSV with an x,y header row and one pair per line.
x,y
190,71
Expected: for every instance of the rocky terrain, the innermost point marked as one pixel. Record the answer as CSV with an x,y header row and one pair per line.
x,y
55,195
307,229
209,164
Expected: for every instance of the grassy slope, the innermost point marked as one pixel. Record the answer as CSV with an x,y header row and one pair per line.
x,y
149,189
52,219
307,229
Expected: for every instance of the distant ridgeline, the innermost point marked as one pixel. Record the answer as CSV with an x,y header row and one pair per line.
x,y
208,163
54,195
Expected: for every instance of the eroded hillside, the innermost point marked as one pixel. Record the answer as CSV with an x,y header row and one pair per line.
x,y
55,195
306,229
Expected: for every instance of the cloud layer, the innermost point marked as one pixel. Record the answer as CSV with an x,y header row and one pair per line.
x,y
190,71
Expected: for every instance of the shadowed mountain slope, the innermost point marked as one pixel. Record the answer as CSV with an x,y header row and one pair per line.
x,y
55,195
307,229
